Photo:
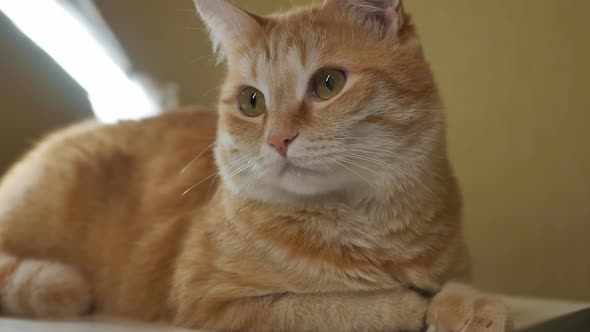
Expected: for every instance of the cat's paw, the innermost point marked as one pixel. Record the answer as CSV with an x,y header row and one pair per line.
x,y
58,290
40,288
460,308
411,314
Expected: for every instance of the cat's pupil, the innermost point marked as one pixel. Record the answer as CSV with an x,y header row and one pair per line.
x,y
253,101
330,82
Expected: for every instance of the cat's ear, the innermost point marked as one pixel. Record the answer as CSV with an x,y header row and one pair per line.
x,y
389,15
231,28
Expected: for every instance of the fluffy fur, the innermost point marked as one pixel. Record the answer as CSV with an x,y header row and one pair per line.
x,y
352,231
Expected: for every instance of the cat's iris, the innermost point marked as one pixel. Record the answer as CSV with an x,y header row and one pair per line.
x,y
252,102
328,83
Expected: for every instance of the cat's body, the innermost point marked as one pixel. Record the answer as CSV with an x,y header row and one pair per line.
x,y
108,201
135,220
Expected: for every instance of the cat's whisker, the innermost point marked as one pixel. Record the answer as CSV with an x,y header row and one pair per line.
x,y
248,166
405,160
415,178
366,152
217,176
198,184
376,152
247,184
240,170
349,169
356,164
382,149
197,158
410,174
360,157
254,177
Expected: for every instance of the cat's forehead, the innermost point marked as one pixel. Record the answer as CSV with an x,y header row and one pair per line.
x,y
283,58
281,43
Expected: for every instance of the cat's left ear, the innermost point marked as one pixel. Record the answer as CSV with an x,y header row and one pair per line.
x,y
388,14
231,28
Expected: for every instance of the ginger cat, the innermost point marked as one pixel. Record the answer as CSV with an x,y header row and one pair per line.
x,y
326,202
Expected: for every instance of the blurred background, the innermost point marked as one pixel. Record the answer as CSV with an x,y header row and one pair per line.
x,y
516,80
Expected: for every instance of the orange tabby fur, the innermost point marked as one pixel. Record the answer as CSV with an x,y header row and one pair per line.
x,y
125,219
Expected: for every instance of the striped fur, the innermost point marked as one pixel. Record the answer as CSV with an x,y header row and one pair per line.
x,y
192,218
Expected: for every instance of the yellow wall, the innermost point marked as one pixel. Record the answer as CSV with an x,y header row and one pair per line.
x,y
515,76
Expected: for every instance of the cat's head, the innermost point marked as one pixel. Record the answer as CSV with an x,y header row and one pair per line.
x,y
328,99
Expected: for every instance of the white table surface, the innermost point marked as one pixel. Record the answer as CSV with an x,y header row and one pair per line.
x,y
525,311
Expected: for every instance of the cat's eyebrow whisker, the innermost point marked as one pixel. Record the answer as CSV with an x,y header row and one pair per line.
x,y
197,157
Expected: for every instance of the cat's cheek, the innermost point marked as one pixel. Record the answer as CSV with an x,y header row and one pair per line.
x,y
225,139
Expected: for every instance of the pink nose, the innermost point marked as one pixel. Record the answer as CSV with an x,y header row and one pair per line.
x,y
281,141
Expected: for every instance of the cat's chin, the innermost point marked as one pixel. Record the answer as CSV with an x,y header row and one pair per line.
x,y
297,184
285,194
292,170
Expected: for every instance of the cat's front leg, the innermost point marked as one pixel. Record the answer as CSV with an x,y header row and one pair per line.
x,y
459,307
389,310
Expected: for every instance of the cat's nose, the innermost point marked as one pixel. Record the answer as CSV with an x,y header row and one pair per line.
x,y
281,140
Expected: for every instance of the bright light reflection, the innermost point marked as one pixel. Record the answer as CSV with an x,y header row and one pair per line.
x,y
68,40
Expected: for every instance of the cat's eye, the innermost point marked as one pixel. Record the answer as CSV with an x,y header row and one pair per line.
x,y
251,102
328,83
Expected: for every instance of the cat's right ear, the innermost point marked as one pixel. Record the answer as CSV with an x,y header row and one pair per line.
x,y
389,15
231,28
